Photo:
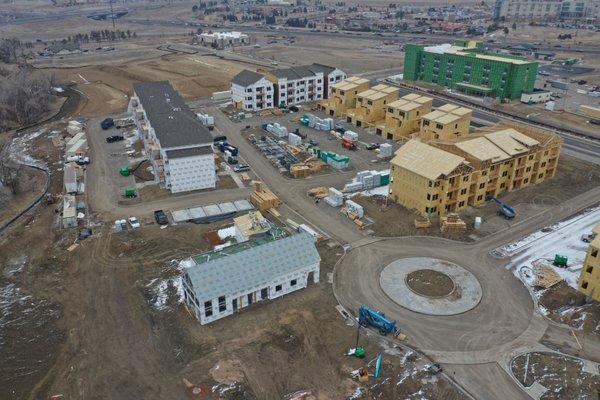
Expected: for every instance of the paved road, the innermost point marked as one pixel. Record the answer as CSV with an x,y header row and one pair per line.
x,y
504,323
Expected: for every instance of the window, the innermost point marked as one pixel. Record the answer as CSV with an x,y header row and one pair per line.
x,y
531,157
293,282
589,269
278,288
208,308
594,253
584,285
222,305
505,173
439,126
264,293
249,90
464,191
527,169
425,122
481,186
483,173
544,164
466,178
502,185
428,196
462,203
434,197
480,197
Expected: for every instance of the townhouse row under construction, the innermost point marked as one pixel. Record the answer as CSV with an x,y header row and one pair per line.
x,y
445,163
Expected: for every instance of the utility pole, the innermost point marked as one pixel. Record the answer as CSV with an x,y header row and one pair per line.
x,y
112,14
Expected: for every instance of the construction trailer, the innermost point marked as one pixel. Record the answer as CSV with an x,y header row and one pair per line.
x,y
219,283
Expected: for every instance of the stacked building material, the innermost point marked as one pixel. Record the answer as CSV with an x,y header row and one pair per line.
x,y
385,150
277,130
300,171
351,136
366,180
335,198
262,198
355,208
422,222
294,139
452,223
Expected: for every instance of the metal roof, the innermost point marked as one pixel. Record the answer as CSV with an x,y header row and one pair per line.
x,y
189,152
252,264
246,78
425,160
174,123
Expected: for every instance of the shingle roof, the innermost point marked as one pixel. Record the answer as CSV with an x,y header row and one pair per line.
x,y
302,71
247,78
252,266
174,123
189,152
425,160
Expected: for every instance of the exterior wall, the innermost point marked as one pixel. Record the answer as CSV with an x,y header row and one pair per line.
x,y
535,97
190,173
402,124
589,278
504,79
295,91
455,193
431,130
278,287
255,97
342,100
541,10
369,112
335,76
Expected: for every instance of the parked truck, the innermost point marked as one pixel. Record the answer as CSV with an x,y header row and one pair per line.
x,y
348,144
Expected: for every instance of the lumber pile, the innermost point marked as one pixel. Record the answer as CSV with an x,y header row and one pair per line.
x,y
452,223
245,177
300,171
422,222
318,192
353,216
545,276
262,198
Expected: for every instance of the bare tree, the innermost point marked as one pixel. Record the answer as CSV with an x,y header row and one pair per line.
x,y
9,174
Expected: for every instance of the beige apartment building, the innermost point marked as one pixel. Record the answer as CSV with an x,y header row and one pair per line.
x,y
446,123
589,278
403,117
439,177
343,96
371,105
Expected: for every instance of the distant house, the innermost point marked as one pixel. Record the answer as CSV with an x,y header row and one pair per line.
x,y
61,49
224,39
219,283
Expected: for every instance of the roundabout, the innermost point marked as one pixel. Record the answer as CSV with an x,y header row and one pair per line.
x,y
430,286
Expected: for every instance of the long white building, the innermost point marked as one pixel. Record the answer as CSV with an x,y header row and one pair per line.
x,y
176,143
252,91
284,87
224,39
303,83
219,283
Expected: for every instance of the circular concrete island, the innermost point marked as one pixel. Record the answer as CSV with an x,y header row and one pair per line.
x,y
430,286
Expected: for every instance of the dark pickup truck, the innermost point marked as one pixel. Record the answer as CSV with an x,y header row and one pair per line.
x,y
161,217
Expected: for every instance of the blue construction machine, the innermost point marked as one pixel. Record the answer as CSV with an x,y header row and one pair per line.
x,y
504,209
369,317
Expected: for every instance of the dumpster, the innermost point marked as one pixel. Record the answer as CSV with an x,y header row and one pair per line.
x,y
129,192
124,171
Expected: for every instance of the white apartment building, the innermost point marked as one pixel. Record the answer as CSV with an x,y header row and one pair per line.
x,y
224,39
304,83
176,143
251,91
546,10
219,283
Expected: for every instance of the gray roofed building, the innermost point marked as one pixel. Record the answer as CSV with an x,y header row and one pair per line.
x,y
189,152
241,274
302,71
175,125
247,78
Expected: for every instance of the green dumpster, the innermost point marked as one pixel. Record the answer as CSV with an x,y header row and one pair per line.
x,y
124,171
560,261
129,192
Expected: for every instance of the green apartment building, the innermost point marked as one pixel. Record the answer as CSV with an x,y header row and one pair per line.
x,y
465,66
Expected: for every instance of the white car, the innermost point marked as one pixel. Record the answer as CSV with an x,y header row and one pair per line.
x,y
133,221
